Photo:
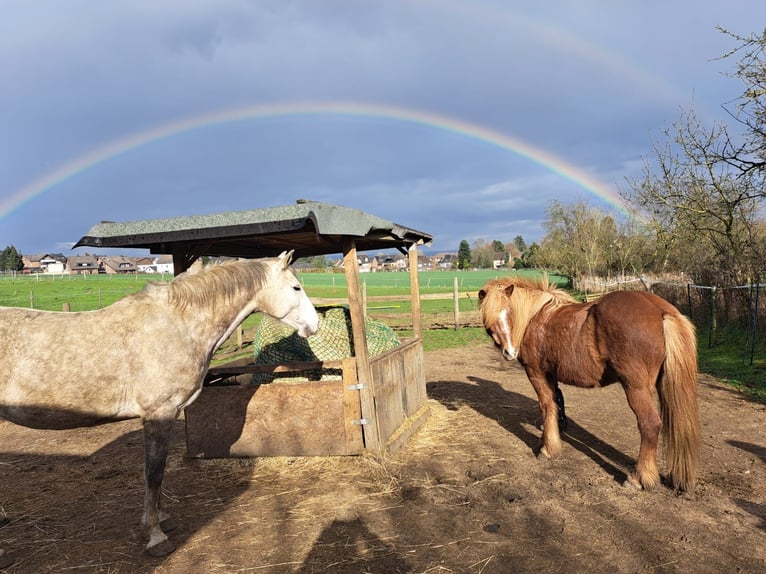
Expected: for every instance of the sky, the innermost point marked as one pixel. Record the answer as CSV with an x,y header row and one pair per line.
x,y
464,119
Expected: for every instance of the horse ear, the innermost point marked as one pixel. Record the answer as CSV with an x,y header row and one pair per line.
x,y
509,290
482,294
286,257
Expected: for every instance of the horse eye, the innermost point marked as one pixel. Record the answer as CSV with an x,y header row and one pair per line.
x,y
296,287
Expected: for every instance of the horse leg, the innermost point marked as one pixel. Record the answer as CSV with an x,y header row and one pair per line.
x,y
156,442
649,425
551,438
563,421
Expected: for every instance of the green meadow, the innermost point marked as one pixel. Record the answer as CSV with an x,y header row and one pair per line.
x,y
88,292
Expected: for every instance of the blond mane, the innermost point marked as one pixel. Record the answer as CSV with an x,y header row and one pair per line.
x,y
529,297
542,283
220,282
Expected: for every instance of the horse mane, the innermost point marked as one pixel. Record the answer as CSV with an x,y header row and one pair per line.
x,y
541,283
529,297
529,288
222,281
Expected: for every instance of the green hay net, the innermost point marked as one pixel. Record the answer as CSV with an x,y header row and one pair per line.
x,y
276,344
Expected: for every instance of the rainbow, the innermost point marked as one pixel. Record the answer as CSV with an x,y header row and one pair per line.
x,y
121,146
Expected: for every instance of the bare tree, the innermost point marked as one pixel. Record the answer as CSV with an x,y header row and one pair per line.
x,y
581,240
703,211
749,109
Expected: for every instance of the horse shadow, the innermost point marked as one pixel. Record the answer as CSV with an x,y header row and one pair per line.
x,y
100,497
757,450
351,548
516,413
757,510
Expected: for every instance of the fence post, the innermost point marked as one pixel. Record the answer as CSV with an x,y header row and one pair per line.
x,y
689,300
713,318
755,322
456,295
65,307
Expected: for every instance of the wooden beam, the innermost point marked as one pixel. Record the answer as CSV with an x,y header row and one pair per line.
x,y
417,322
361,353
183,259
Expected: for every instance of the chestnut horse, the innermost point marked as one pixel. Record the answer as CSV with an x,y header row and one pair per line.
x,y
631,337
144,356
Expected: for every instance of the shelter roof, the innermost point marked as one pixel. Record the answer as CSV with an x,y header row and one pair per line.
x,y
308,227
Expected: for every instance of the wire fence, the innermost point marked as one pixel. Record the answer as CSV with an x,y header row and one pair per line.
x,y
728,314
733,316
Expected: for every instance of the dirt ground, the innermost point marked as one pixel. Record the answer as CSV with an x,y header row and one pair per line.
x,y
466,494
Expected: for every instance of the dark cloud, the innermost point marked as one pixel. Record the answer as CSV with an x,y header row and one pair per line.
x,y
589,82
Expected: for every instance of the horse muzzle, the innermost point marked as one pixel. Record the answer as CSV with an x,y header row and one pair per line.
x,y
510,354
308,330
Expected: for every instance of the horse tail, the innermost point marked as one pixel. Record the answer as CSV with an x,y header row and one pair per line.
x,y
677,391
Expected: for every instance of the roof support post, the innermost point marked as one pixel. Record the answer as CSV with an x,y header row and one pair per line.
x,y
180,263
361,352
417,322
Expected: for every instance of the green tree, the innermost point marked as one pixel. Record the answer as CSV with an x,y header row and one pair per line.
x,y
464,255
483,254
318,262
532,257
520,244
11,259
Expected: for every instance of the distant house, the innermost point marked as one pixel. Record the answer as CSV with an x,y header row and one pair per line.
x,y
164,264
447,261
395,262
425,263
46,263
145,264
118,265
83,265
365,263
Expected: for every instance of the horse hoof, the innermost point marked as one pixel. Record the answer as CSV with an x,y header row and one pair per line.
x,y
633,483
168,524
161,549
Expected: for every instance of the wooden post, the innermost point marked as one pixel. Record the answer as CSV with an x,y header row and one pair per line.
x,y
65,307
456,295
713,338
179,260
755,321
689,300
361,353
417,321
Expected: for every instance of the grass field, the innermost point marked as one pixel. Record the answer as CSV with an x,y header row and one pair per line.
x,y
87,292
